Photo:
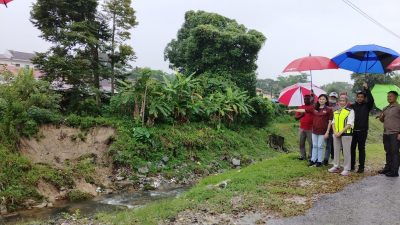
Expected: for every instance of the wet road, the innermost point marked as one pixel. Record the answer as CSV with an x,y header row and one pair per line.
x,y
374,200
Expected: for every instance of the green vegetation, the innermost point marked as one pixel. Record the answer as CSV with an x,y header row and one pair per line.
x,y
211,43
76,195
267,185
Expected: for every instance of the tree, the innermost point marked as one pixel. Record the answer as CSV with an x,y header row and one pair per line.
x,y
269,85
78,35
122,17
284,81
339,87
208,42
371,80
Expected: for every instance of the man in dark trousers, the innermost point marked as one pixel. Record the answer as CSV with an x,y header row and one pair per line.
x,y
305,132
362,107
390,117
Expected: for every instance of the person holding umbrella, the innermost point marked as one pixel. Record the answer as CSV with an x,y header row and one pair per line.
x,y
322,118
390,117
363,105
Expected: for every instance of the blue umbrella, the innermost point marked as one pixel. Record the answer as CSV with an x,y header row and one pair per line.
x,y
366,59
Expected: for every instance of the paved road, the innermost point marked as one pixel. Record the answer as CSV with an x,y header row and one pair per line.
x,y
374,200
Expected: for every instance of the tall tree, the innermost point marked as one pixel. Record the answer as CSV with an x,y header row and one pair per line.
x,y
122,18
78,34
340,87
208,42
371,80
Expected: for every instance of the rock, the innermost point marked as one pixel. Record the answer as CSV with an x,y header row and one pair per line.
x,y
222,184
120,178
28,203
123,184
156,183
40,206
62,195
143,170
236,162
160,165
50,205
108,191
165,159
3,210
62,188
98,190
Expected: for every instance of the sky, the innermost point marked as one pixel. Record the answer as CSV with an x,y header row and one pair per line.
x,y
293,28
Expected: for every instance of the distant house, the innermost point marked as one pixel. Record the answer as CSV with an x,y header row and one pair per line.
x,y
13,61
17,59
262,93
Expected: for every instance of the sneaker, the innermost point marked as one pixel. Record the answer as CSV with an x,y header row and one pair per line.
x,y
360,170
345,173
334,170
311,163
325,162
301,158
318,164
391,174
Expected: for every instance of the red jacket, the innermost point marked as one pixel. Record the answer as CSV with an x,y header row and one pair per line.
x,y
321,119
306,119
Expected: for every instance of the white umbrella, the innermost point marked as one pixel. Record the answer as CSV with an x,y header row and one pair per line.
x,y
294,94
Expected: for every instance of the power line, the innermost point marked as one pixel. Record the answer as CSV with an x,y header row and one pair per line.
x,y
364,14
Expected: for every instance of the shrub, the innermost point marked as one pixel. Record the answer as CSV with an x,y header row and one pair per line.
x,y
262,113
76,195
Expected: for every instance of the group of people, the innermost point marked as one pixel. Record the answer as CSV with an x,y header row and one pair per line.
x,y
336,125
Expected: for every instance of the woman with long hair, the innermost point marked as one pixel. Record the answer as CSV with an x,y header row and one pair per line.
x,y
322,119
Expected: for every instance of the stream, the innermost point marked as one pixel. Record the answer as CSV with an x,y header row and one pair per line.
x,y
105,203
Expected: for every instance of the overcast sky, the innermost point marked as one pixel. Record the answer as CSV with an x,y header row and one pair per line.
x,y
293,29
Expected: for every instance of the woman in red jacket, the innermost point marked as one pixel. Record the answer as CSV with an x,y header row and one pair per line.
x,y
322,119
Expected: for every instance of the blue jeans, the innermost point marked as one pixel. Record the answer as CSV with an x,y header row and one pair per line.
x,y
318,147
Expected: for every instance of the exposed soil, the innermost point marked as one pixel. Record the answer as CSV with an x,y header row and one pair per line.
x,y
61,146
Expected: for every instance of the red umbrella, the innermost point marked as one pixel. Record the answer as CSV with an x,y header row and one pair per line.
x,y
395,65
293,95
311,63
5,2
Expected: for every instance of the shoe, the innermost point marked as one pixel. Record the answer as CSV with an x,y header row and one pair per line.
x,y
383,171
318,164
325,162
345,173
311,163
334,170
391,174
360,170
301,158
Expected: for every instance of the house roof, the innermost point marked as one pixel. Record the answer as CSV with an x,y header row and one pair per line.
x,y
21,55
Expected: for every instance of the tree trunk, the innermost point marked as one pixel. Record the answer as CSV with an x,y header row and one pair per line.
x,y
96,74
113,56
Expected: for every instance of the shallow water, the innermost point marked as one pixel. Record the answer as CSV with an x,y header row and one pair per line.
x,y
107,203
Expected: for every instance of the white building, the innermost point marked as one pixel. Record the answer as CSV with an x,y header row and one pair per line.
x,y
17,59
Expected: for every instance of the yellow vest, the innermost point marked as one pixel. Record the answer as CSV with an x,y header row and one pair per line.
x,y
340,117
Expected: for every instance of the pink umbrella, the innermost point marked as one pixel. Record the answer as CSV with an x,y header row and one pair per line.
x,y
395,65
4,2
293,95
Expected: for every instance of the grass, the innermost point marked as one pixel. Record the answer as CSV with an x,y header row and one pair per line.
x,y
265,186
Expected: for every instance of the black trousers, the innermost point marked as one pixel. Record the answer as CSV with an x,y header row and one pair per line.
x,y
391,145
359,138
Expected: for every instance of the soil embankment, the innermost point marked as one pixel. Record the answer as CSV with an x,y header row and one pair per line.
x,y
84,153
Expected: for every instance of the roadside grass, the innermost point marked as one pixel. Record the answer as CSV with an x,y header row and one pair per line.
x,y
272,185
